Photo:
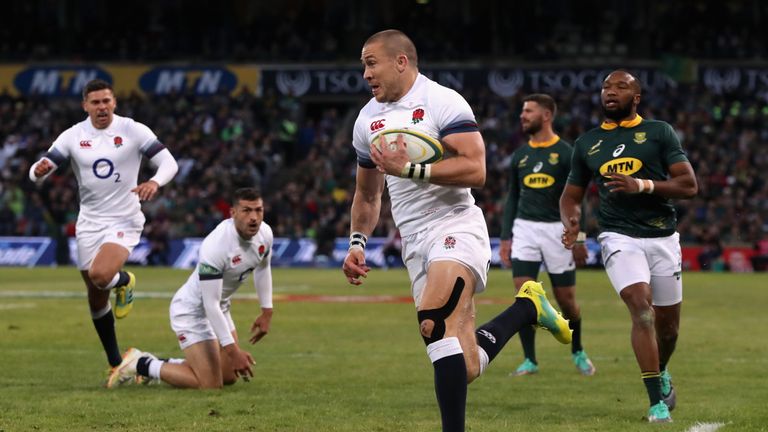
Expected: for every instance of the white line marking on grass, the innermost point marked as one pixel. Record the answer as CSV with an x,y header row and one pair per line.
x,y
310,298
136,293
17,306
705,427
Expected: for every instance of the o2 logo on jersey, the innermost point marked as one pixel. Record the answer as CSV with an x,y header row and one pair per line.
x,y
104,168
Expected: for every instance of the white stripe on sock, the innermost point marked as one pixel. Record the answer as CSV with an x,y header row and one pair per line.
x,y
483,356
154,368
100,313
444,348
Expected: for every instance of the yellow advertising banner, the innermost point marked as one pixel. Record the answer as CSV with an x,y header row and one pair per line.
x,y
68,80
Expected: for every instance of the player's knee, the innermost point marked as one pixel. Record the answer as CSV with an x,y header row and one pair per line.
x,y
99,278
211,386
570,310
210,383
431,326
432,321
645,318
426,327
667,335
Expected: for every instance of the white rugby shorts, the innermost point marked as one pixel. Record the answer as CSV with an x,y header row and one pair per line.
x,y
460,236
90,235
541,242
190,323
656,261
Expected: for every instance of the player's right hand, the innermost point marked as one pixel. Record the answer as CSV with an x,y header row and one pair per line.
x,y
505,250
354,266
241,363
43,167
570,233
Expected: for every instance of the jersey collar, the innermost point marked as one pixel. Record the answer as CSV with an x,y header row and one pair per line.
x,y
544,144
92,129
624,123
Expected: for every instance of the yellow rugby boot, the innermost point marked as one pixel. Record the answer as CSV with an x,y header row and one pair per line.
x,y
547,317
124,297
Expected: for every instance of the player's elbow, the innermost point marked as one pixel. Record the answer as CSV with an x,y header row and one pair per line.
x,y
476,178
478,181
691,189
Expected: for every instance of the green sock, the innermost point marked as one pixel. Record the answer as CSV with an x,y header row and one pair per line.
x,y
528,340
652,381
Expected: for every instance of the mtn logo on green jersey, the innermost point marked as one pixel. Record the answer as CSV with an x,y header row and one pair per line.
x,y
538,181
625,165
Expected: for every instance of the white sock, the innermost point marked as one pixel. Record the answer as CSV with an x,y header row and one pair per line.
x,y
444,348
483,356
100,313
112,284
175,360
154,368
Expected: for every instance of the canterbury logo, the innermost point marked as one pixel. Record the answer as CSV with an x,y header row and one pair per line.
x,y
377,124
85,144
487,335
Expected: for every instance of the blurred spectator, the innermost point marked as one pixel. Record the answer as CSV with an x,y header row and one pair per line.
x,y
330,30
223,142
760,257
711,255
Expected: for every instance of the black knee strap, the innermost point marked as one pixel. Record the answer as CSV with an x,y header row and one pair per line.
x,y
439,315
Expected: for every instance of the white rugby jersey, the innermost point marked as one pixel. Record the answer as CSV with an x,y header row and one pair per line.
x,y
431,109
106,163
225,255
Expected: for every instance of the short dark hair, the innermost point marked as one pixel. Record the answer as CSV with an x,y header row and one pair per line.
x,y
96,85
544,100
396,42
245,194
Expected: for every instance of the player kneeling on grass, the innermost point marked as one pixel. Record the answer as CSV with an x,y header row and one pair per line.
x,y
200,310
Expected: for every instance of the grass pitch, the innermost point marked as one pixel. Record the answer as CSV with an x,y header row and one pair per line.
x,y
361,366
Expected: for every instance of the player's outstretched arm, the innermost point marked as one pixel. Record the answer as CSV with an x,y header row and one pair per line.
x,y
262,281
260,326
41,169
366,205
166,170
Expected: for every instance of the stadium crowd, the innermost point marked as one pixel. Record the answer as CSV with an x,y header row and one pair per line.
x,y
301,156
305,164
332,30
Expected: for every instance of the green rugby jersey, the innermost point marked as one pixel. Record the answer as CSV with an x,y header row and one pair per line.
x,y
537,176
639,148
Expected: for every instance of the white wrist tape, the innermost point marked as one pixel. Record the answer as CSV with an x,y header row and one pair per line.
x,y
418,171
645,186
357,240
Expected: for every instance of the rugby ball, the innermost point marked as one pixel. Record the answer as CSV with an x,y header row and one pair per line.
x,y
421,147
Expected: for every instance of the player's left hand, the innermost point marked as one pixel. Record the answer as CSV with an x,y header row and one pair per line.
x,y
147,190
260,326
390,157
580,254
622,183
